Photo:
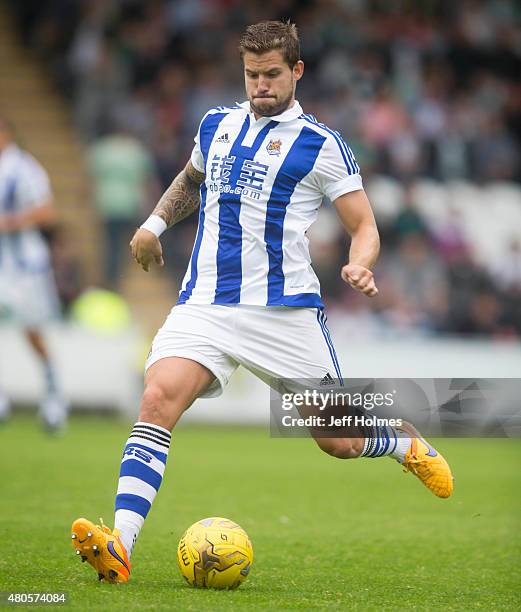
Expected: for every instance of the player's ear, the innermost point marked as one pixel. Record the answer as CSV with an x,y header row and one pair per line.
x,y
298,70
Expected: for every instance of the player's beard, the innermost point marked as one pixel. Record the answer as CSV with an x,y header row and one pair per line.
x,y
279,107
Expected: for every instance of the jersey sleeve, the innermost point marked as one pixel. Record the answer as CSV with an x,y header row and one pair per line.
x,y
35,186
207,125
197,158
336,169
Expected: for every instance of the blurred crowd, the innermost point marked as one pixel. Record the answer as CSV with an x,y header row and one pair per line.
x,y
422,91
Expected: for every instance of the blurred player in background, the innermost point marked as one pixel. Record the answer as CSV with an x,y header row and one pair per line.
x,y
121,170
28,294
259,171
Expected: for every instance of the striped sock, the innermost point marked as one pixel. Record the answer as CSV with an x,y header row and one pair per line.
x,y
382,441
50,377
140,476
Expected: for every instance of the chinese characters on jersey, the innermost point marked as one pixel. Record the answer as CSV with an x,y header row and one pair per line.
x,y
250,180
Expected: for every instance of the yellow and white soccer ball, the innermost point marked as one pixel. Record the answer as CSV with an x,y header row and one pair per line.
x,y
215,553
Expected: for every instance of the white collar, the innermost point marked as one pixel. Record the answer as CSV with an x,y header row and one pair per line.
x,y
288,115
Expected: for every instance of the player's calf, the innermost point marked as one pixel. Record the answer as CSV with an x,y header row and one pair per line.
x,y
341,448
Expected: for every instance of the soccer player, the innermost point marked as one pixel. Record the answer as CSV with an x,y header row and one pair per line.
x,y
27,289
258,173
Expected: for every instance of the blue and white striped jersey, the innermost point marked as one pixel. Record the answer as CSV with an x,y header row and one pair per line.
x,y
265,181
24,185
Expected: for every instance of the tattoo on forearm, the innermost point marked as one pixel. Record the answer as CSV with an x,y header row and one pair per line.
x,y
181,198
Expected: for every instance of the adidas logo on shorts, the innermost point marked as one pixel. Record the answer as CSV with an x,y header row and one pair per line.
x,y
327,380
223,138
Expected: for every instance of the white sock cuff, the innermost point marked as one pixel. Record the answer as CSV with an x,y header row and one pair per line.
x,y
403,444
156,437
156,427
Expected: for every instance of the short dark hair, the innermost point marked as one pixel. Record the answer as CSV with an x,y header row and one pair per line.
x,y
272,35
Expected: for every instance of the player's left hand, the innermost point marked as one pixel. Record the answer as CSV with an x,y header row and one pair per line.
x,y
359,278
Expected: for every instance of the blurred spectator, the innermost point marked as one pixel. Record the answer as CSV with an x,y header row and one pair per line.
x,y
450,240
418,282
508,273
508,276
496,153
100,87
67,267
383,119
406,157
409,220
467,280
484,316
122,172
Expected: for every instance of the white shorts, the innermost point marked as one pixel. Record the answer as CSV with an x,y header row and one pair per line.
x,y
28,298
272,342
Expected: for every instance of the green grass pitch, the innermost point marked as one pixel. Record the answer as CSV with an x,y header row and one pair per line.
x,y
327,534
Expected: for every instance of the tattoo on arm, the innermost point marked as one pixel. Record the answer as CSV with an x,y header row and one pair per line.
x,y
182,197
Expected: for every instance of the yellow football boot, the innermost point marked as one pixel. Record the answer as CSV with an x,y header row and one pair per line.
x,y
102,549
427,464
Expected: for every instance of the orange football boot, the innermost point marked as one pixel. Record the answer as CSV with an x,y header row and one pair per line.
x,y
427,464
102,549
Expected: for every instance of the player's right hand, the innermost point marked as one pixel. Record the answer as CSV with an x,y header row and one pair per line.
x,y
146,249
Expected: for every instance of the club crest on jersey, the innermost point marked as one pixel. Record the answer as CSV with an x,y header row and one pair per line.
x,y
273,147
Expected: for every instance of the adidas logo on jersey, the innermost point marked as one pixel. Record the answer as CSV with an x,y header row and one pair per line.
x,y
223,138
327,380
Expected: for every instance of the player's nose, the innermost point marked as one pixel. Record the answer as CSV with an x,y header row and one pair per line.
x,y
263,86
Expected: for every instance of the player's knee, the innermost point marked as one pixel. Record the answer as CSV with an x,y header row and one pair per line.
x,y
341,448
155,406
